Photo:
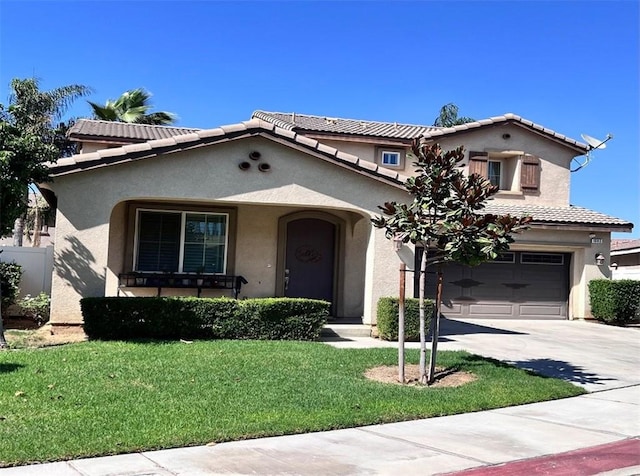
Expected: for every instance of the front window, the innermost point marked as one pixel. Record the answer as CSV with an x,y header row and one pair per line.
x,y
493,173
391,158
186,242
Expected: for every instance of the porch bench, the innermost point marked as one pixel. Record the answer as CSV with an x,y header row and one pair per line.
x,y
181,280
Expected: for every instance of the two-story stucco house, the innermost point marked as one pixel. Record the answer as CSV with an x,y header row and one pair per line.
x,y
281,205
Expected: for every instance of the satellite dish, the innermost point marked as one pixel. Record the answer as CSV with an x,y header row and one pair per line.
x,y
593,144
596,143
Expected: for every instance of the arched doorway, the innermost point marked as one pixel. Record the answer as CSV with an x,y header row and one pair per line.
x,y
309,256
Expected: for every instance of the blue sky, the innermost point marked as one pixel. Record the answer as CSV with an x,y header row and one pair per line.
x,y
571,66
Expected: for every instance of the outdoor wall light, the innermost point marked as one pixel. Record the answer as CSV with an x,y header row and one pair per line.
x,y
397,243
244,165
599,259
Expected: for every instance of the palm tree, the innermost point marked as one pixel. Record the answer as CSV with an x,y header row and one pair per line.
x,y
35,113
132,107
448,117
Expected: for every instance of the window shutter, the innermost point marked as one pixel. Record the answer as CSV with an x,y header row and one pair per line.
x,y
478,163
530,174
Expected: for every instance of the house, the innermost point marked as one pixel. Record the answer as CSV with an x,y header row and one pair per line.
x,y
625,259
281,205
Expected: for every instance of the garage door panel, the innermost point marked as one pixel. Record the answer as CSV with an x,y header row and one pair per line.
x,y
551,310
488,309
550,293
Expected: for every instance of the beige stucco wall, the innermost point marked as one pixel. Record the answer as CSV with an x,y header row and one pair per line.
x,y
555,160
90,201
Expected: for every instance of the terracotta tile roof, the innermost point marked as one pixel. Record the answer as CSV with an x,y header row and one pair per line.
x,y
335,125
202,138
122,130
559,215
619,245
393,130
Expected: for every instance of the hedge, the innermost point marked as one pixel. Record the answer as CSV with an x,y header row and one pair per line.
x,y
203,318
387,318
615,301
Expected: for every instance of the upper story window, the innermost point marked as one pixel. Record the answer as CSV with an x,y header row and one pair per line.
x,y
174,241
494,172
392,158
508,170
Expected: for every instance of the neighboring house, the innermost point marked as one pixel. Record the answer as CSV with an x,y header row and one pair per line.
x,y
284,201
625,259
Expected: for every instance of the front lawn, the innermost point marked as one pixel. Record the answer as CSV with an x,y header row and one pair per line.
x,y
99,398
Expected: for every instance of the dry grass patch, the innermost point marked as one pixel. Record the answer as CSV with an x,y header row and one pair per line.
x,y
444,377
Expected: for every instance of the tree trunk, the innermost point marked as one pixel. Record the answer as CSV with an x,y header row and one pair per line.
x,y
436,329
423,334
18,231
401,306
3,341
37,226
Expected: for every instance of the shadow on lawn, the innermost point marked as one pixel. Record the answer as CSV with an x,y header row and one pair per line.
x,y
561,370
6,368
547,368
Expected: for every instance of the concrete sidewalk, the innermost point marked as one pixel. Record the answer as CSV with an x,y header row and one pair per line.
x,y
431,446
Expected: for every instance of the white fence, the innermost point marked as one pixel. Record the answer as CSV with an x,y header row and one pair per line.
x,y
626,272
37,267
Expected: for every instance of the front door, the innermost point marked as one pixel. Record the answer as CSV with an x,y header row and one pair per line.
x,y
309,259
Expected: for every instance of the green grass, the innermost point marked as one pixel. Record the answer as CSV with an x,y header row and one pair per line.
x,y
99,398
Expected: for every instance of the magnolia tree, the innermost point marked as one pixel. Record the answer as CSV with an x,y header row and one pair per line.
x,y
446,219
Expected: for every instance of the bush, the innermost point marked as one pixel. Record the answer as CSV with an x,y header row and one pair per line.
x,y
281,319
156,318
10,275
387,318
615,302
203,318
36,308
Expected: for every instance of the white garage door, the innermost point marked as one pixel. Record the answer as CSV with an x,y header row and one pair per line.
x,y
527,285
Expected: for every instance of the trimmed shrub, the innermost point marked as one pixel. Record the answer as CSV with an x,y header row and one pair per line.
x,y
615,301
281,319
10,275
387,318
203,318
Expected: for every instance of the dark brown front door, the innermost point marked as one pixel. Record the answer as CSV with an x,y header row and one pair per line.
x,y
309,260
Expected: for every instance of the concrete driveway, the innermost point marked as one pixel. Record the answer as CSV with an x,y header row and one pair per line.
x,y
589,354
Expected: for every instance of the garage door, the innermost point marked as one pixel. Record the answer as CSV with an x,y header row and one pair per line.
x,y
527,285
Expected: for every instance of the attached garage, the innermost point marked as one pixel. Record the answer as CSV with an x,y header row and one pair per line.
x,y
520,284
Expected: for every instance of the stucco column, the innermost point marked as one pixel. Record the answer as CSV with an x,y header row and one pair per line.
x,y
381,276
78,269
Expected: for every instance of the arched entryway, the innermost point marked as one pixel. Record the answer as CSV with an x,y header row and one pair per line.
x,y
309,252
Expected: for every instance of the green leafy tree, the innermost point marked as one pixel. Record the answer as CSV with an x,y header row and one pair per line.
x,y
29,139
446,219
30,136
448,117
133,107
